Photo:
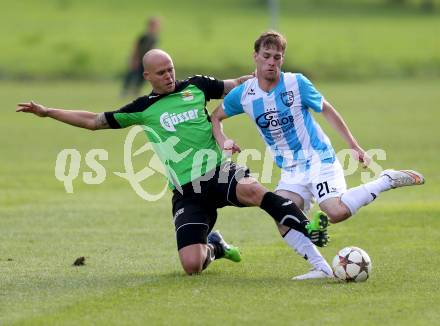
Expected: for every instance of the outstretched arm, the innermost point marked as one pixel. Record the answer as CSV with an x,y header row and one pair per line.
x,y
81,119
217,129
337,122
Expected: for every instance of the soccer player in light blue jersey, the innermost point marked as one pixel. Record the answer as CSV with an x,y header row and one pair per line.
x,y
281,105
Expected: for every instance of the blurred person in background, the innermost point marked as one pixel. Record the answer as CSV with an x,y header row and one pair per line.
x,y
134,78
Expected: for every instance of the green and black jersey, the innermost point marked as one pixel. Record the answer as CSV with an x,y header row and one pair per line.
x,y
178,125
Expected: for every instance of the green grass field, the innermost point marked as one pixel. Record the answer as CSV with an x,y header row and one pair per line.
x,y
132,273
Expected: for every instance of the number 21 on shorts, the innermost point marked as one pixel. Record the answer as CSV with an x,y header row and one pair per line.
x,y
322,189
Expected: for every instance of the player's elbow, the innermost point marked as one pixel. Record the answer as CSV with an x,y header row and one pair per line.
x,y
214,118
93,126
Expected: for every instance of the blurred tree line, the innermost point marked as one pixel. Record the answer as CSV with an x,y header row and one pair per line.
x,y
427,5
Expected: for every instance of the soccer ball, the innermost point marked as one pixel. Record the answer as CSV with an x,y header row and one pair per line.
x,y
352,264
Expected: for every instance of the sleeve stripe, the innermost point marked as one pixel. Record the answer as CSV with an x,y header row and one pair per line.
x,y
223,107
321,106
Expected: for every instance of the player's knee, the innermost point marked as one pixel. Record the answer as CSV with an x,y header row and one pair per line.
x,y
192,258
255,196
337,214
250,194
192,265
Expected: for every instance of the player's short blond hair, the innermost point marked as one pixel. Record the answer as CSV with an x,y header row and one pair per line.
x,y
270,39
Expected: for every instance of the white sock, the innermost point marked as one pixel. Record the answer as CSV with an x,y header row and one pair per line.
x,y
379,185
364,194
304,247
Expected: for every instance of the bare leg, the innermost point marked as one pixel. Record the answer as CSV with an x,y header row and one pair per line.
x,y
193,257
335,209
250,192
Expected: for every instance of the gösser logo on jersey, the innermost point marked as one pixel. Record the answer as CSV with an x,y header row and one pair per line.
x,y
169,121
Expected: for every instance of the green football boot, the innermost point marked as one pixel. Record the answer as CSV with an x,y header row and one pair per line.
x,y
317,229
230,252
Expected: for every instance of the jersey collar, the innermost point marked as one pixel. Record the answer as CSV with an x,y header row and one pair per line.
x,y
180,85
278,85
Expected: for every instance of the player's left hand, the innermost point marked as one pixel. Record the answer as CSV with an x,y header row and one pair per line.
x,y
242,79
361,156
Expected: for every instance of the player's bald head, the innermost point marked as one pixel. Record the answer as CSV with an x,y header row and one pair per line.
x,y
159,71
154,58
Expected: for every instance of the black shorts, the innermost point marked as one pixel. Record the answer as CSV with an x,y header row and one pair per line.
x,y
195,208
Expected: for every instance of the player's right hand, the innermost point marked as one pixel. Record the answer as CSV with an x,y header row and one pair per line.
x,y
230,147
32,107
361,156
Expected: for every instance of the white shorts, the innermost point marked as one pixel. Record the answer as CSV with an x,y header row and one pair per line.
x,y
319,182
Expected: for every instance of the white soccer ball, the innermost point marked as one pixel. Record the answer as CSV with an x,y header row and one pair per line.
x,y
352,264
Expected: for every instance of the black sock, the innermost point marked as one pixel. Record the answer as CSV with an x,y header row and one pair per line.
x,y
213,251
285,212
219,252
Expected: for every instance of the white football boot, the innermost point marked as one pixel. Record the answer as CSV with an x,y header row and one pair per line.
x,y
403,178
313,274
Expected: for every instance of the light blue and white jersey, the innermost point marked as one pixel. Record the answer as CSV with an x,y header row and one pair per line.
x,y
283,119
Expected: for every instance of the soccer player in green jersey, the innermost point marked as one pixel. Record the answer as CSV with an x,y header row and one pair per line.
x,y
174,117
